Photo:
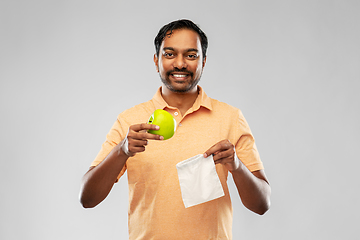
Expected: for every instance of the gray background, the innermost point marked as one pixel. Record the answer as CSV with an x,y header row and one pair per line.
x,y
68,68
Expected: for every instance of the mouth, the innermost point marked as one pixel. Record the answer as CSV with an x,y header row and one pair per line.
x,y
180,76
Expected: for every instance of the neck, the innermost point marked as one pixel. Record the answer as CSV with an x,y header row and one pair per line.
x,y
181,101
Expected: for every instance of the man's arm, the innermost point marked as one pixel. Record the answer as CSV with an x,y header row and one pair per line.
x,y
253,187
98,181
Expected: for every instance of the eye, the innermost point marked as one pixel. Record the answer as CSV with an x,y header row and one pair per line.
x,y
192,56
168,54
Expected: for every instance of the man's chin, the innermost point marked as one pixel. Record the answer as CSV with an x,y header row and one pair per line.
x,y
179,87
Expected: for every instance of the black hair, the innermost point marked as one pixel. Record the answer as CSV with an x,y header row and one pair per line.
x,y
168,29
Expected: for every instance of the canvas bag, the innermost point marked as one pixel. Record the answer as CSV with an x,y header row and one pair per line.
x,y
199,181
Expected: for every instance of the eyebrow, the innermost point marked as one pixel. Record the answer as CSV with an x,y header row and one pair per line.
x,y
187,50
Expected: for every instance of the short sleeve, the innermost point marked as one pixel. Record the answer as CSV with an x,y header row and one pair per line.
x,y
116,134
245,146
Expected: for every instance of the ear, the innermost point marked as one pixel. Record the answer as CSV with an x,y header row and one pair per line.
x,y
156,61
204,61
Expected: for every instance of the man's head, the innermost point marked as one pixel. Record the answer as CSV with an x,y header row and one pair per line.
x,y
168,29
180,55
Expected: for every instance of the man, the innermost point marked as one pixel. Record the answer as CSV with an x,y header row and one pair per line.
x,y
205,126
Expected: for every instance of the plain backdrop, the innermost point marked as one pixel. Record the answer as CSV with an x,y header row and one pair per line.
x,y
68,68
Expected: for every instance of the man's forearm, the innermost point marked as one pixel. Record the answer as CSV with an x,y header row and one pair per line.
x,y
98,181
253,188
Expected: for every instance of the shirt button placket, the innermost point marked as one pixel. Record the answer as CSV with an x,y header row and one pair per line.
x,y
176,114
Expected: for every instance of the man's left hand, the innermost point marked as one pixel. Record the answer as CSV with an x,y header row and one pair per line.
x,y
224,152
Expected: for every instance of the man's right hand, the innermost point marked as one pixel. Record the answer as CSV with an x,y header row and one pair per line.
x,y
98,181
137,138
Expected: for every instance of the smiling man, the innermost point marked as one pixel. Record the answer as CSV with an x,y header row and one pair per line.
x,y
205,126
181,62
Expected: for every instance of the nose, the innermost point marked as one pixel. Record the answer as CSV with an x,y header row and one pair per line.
x,y
179,62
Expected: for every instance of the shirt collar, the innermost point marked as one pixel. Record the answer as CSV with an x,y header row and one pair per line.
x,y
202,100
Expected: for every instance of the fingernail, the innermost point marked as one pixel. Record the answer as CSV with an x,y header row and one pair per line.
x,y
205,155
161,138
157,127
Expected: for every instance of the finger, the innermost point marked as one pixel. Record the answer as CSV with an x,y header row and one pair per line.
x,y
136,149
153,136
231,163
143,135
144,126
218,147
212,150
138,143
224,155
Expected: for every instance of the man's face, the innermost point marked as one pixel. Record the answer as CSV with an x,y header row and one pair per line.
x,y
180,62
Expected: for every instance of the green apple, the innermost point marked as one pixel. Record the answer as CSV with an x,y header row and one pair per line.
x,y
165,121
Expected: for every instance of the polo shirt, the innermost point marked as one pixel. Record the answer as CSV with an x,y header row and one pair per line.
x,y
156,209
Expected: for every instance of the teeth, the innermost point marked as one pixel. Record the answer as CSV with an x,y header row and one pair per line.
x,y
179,76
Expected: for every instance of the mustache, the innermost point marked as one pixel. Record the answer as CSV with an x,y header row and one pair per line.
x,y
177,70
